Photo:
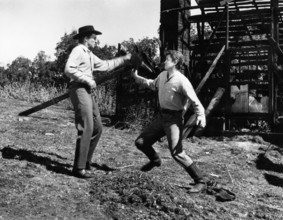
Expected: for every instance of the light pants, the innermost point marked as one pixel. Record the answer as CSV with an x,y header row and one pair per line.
x,y
171,125
88,123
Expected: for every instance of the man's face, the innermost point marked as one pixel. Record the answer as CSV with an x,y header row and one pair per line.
x,y
91,41
169,63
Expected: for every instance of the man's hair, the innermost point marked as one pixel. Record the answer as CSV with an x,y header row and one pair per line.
x,y
176,56
81,39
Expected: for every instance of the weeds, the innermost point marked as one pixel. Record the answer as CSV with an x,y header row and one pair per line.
x,y
30,92
139,116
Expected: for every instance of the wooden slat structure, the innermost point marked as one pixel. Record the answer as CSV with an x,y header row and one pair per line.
x,y
252,32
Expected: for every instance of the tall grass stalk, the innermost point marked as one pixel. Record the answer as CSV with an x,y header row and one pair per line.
x,y
30,92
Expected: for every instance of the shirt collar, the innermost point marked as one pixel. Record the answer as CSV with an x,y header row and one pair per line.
x,y
85,48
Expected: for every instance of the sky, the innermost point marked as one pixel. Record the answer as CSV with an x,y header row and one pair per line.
x,y
30,26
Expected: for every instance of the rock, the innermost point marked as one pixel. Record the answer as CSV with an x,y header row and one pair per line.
x,y
48,134
21,119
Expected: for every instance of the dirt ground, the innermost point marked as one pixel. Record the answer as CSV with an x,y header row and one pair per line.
x,y
36,156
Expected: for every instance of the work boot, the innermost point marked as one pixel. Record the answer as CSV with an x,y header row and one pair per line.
x,y
198,187
81,173
152,155
150,165
200,184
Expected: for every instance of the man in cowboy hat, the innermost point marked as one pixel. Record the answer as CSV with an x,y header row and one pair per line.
x,y
80,67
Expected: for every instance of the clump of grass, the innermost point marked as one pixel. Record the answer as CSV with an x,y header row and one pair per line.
x,y
139,116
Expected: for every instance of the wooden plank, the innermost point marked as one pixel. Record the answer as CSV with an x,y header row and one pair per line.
x,y
191,122
212,105
45,105
210,70
100,78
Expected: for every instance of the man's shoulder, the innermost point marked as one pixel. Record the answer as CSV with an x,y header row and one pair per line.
x,y
181,76
79,47
183,79
163,73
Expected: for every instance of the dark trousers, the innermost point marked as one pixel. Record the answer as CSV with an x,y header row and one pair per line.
x,y
171,125
88,123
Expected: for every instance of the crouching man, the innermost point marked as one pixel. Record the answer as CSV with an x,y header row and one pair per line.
x,y
174,92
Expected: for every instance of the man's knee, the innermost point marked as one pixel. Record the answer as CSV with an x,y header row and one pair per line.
x,y
98,128
177,155
139,142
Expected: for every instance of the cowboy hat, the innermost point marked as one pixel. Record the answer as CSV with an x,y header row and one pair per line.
x,y
89,29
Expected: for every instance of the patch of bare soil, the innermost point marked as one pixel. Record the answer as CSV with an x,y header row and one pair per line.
x,y
36,156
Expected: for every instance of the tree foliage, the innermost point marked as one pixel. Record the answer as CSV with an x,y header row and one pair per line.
x,y
19,70
45,72
150,46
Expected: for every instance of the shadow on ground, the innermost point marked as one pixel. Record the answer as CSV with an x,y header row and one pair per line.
x,y
103,167
31,156
274,180
264,163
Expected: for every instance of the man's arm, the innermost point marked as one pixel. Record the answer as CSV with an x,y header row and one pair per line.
x,y
150,83
190,93
72,70
108,65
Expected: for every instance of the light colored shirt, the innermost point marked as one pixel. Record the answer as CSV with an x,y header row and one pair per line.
x,y
174,91
82,62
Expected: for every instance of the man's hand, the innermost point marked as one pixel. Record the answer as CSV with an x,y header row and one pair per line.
x,y
135,73
201,121
136,60
92,84
128,56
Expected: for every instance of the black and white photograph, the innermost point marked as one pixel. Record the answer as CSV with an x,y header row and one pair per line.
x,y
141,109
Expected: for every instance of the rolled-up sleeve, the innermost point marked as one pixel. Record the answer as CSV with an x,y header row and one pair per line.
x,y
149,83
107,65
189,92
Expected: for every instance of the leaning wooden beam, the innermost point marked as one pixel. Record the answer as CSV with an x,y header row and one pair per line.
x,y
212,67
99,78
212,105
191,122
210,39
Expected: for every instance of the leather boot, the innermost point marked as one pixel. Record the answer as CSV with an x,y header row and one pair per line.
x,y
154,158
81,173
151,164
200,184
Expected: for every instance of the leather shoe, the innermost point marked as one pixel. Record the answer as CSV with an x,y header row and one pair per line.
x,y
150,165
198,188
81,173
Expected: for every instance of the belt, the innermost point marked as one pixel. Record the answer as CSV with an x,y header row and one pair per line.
x,y
81,85
169,111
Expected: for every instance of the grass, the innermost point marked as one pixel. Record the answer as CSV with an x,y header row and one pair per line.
x,y
137,116
36,157
30,92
